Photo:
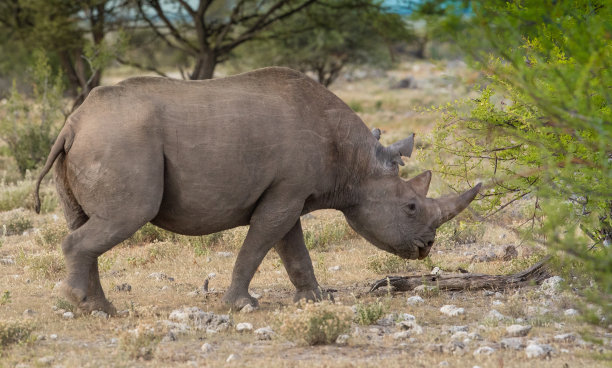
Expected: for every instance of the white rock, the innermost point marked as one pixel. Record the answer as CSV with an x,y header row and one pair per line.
x,y
99,314
342,340
7,261
53,337
436,271
415,299
231,358
566,337
212,275
411,326
28,313
334,269
484,350
406,317
443,363
424,288
244,327
452,310
402,335
494,314
475,336
534,310
497,302
571,312
68,315
46,360
160,276
551,285
518,330
454,329
534,350
488,293
264,333
459,336
225,255
514,343
206,347
247,309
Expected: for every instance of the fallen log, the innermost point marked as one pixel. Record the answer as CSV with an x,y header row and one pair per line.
x,y
468,281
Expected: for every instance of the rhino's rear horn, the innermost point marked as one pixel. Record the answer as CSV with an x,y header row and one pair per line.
x,y
420,183
401,148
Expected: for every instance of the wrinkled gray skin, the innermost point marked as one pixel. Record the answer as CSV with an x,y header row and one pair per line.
x,y
258,149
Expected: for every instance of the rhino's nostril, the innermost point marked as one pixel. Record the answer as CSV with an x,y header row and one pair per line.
x,y
429,243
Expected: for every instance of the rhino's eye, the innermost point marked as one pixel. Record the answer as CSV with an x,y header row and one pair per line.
x,y
410,208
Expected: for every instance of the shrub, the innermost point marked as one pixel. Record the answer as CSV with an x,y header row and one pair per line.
x,y
51,234
386,264
368,314
315,323
30,126
15,223
140,344
14,333
43,265
62,303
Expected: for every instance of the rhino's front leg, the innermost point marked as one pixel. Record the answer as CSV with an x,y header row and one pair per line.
x,y
292,251
275,215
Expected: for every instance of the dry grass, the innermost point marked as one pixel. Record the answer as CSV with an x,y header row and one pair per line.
x,y
139,337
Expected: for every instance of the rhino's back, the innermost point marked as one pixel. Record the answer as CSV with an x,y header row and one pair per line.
x,y
223,141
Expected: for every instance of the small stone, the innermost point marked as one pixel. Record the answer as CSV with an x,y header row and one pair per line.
x,y
68,315
99,314
211,331
443,363
206,347
436,271
424,288
225,255
566,337
452,310
484,350
169,337
494,314
265,333
406,317
497,302
514,343
537,351
411,326
414,300
334,269
499,295
114,341
160,276
247,309
342,340
459,336
454,329
244,327
474,336
534,310
551,285
53,337
46,360
231,358
488,293
7,261
402,335
518,330
41,338
123,287
28,313
212,275
571,312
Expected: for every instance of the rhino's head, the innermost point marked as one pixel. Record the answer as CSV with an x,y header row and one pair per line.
x,y
396,215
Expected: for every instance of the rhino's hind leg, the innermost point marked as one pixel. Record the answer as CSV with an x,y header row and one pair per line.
x,y
81,250
275,215
292,251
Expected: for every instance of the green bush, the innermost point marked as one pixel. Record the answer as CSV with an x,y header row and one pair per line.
x,y
315,324
14,333
387,264
51,235
30,126
368,314
15,223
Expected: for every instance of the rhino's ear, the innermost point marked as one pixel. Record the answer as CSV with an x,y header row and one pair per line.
x,y
420,183
399,149
376,133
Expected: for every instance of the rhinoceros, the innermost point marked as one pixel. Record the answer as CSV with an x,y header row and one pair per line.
x,y
260,148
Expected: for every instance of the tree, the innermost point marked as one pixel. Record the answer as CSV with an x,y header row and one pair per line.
x,y
71,33
329,35
542,129
209,30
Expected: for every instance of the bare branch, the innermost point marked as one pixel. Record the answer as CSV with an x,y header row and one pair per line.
x,y
141,66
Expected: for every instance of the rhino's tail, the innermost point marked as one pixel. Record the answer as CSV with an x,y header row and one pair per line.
x,y
62,145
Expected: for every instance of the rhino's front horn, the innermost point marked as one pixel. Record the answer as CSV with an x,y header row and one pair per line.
x,y
401,148
451,206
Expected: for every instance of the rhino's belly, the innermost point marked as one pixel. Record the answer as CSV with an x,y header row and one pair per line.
x,y
203,223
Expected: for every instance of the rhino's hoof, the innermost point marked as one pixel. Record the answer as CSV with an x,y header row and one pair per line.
x,y
314,295
73,295
97,304
240,302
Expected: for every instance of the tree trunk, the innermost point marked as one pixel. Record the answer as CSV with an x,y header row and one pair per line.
x,y
468,281
205,66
